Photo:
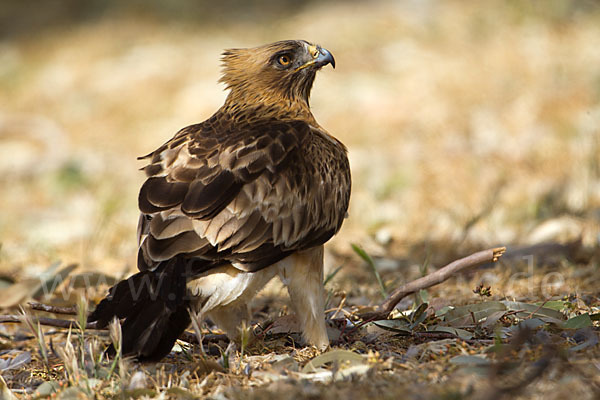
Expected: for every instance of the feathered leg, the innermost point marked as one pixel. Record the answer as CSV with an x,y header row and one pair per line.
x,y
302,273
229,318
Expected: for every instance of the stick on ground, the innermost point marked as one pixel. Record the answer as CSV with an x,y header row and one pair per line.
x,y
58,323
53,309
381,312
481,257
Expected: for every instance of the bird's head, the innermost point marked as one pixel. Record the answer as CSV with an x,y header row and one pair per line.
x,y
274,73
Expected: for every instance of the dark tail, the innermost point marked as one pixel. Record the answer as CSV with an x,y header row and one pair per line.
x,y
154,308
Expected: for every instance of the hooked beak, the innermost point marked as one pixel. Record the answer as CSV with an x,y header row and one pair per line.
x,y
320,58
324,57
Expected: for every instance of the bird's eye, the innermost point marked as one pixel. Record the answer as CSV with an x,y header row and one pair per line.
x,y
284,60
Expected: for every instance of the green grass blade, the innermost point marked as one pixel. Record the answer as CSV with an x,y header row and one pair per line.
x,y
332,275
367,258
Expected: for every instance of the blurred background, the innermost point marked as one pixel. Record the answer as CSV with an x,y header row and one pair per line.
x,y
469,124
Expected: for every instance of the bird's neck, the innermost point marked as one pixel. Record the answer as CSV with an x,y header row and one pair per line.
x,y
248,107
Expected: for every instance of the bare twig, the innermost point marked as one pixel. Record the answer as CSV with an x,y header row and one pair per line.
x,y
206,338
434,278
58,323
53,309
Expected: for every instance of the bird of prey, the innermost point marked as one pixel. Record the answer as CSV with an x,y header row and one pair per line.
x,y
252,192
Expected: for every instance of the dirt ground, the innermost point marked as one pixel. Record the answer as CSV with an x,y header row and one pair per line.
x,y
470,125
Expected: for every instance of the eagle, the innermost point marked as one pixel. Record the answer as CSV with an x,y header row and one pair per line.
x,y
251,193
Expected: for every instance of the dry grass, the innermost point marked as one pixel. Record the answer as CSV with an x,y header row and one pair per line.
x,y
469,125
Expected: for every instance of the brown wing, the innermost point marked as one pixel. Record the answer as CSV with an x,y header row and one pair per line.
x,y
249,196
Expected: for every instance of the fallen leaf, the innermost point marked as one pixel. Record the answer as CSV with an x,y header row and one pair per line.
x,y
53,281
286,324
18,293
461,333
394,325
338,355
531,323
47,388
492,320
46,284
470,360
22,358
532,310
463,315
578,322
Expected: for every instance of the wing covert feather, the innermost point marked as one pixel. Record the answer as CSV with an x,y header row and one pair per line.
x,y
249,196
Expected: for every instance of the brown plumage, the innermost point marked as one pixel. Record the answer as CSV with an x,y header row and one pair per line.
x,y
252,192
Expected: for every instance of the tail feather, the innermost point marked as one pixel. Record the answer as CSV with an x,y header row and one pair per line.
x,y
154,308
151,346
